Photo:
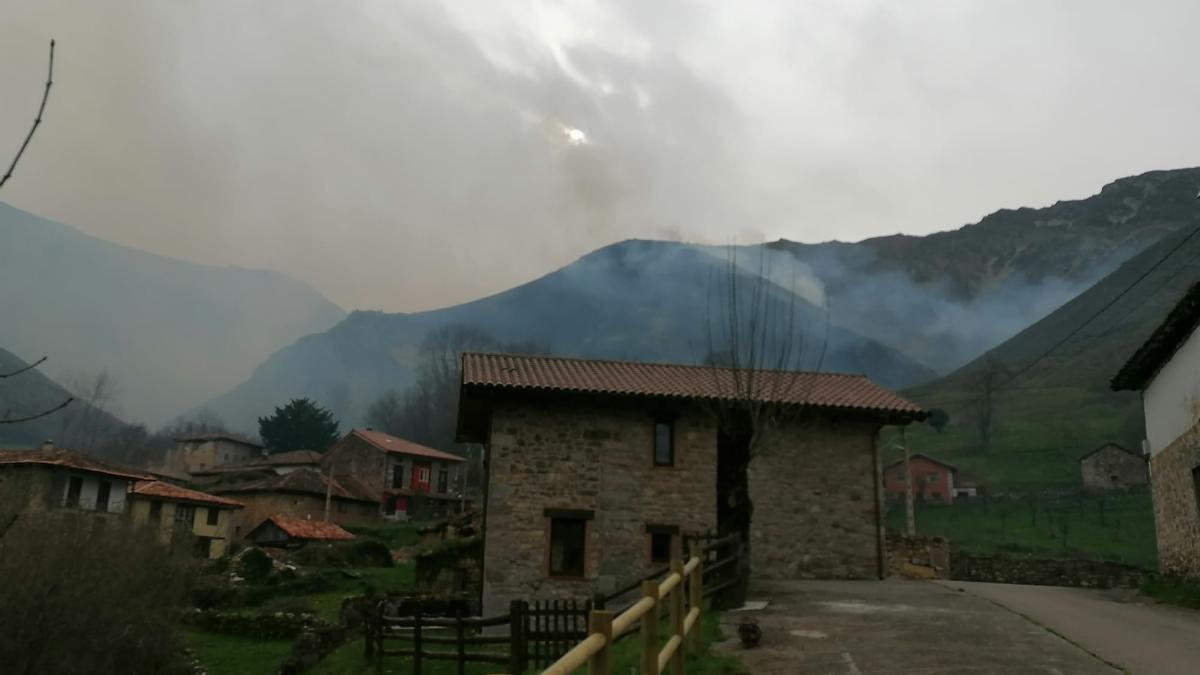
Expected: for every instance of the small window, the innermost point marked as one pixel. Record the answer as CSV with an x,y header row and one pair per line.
x,y
933,478
660,547
185,513
423,474
443,481
398,477
567,547
102,494
74,488
664,443
343,507
1196,486
214,516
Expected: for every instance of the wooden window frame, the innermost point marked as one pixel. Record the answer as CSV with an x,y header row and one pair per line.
x,y
398,476
669,421
443,482
550,515
185,508
213,517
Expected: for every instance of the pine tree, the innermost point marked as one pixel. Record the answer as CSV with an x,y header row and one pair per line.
x,y
299,425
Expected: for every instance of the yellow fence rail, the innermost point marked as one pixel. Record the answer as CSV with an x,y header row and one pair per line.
x,y
681,588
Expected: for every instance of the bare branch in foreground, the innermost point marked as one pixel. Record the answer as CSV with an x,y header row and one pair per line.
x,y
31,366
44,413
37,121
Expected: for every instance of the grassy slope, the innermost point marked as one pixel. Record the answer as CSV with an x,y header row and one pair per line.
x,y
1117,527
232,655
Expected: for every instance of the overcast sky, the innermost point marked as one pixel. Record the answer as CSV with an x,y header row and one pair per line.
x,y
404,155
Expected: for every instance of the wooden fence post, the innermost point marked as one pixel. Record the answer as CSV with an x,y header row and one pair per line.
x,y
600,622
650,630
696,590
417,641
518,647
677,605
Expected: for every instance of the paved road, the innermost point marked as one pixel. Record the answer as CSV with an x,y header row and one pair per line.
x,y
1141,639
898,627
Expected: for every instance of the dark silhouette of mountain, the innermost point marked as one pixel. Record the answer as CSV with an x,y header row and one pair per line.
x,y
170,333
636,300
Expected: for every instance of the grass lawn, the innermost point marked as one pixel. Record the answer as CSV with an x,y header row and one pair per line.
x,y
1116,527
231,655
393,535
327,604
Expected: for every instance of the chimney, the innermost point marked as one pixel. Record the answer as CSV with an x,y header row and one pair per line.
x,y
47,444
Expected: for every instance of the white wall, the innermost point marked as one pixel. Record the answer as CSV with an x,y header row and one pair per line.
x,y
91,486
1172,399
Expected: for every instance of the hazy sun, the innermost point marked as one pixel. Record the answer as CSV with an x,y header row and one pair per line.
x,y
575,136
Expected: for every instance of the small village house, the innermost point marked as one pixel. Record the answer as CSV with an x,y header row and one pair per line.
x,y
196,452
399,471
281,530
1166,369
264,466
933,479
174,510
592,467
1112,467
52,478
300,494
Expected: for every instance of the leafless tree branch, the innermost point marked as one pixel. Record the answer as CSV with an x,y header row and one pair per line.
x,y
44,413
37,121
18,371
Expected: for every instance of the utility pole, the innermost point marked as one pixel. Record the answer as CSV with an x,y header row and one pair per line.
x,y
910,519
329,489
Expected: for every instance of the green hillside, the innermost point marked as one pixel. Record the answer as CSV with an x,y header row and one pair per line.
x,y
1059,407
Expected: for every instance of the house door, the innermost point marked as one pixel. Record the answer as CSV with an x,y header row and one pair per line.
x,y
420,477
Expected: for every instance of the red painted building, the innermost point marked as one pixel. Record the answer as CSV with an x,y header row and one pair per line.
x,y
933,480
399,470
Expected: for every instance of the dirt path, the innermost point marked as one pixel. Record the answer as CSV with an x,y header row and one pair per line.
x,y
894,626
1140,638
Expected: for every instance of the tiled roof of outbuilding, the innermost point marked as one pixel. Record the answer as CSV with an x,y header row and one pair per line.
x,y
301,528
160,490
305,481
625,378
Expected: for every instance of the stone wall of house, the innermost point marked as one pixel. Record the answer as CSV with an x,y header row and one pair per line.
x,y
194,455
590,454
1176,505
1044,572
1112,468
356,457
918,557
815,489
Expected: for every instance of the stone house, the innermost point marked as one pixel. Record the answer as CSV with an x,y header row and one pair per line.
x,y
592,466
300,494
1166,369
1112,467
399,471
53,478
263,466
174,510
201,451
933,479
281,530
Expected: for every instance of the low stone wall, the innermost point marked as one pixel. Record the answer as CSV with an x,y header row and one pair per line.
x,y
918,557
1041,572
274,626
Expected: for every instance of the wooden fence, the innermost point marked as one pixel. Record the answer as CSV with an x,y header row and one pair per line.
x,y
557,633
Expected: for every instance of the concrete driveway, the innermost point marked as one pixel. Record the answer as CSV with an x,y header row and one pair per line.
x,y
1142,639
898,626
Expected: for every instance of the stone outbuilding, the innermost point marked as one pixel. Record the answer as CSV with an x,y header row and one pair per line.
x,y
281,530
1112,467
300,494
593,465
1166,369
402,473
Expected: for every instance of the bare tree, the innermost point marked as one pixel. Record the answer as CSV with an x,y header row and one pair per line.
x,y
985,382
37,122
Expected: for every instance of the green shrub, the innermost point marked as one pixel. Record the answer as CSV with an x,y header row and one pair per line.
x,y
369,553
255,566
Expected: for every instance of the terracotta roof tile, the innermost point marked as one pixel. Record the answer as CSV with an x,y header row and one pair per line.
x,y
822,390
160,490
389,443
305,481
70,459
302,528
219,436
